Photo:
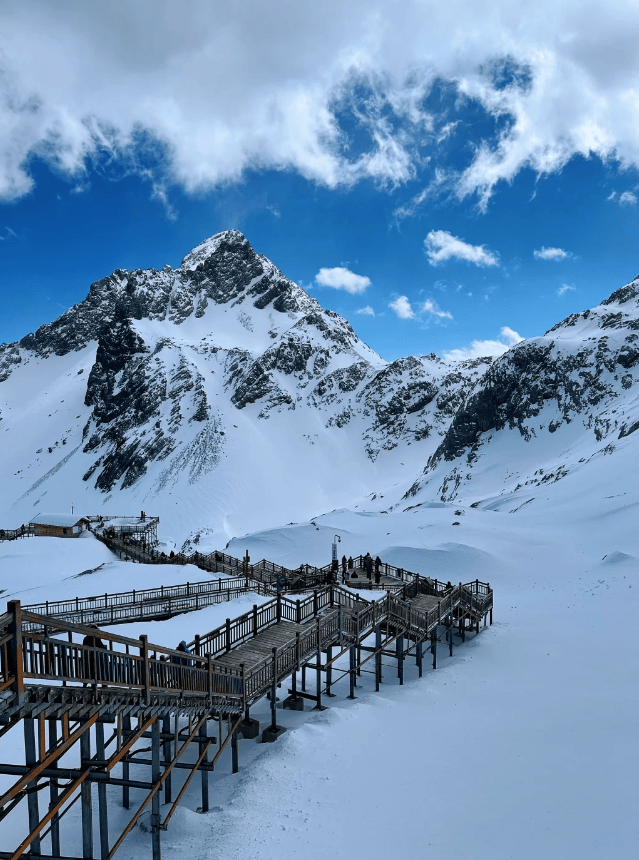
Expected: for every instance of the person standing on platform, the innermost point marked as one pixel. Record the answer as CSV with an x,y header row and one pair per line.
x,y
368,565
344,568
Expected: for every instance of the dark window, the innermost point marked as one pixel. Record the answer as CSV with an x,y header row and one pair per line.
x,y
64,531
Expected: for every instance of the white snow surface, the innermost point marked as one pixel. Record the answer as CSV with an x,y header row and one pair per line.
x,y
523,744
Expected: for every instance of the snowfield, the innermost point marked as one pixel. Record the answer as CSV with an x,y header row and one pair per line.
x,y
522,745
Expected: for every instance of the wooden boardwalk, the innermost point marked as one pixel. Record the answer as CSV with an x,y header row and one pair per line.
x,y
57,682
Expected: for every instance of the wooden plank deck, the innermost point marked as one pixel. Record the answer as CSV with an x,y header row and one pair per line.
x,y
254,650
424,602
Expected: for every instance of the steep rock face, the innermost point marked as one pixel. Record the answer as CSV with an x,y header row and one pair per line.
x,y
582,370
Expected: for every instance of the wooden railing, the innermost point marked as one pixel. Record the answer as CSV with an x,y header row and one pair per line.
x,y
149,603
12,534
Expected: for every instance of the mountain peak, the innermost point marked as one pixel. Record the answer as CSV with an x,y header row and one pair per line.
x,y
227,239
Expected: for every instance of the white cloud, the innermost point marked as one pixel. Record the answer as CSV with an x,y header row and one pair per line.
x,y
10,233
402,308
626,198
481,348
565,288
551,253
343,279
442,245
367,311
429,307
225,88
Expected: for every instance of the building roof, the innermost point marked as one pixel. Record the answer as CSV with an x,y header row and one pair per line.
x,y
56,520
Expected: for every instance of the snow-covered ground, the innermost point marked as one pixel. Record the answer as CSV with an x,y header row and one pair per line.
x,y
523,745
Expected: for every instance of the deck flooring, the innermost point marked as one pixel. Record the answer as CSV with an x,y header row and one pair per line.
x,y
254,650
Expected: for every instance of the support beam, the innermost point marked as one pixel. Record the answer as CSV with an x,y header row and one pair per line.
x,y
235,759
53,791
419,658
156,773
31,757
399,653
352,671
102,795
166,732
378,657
126,796
433,647
203,748
87,808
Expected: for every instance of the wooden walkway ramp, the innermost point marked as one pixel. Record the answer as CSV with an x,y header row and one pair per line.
x,y
59,691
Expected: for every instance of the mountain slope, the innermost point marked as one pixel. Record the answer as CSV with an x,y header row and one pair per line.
x,y
545,409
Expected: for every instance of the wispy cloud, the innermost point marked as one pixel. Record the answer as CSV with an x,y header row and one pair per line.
x,y
565,288
367,311
429,307
508,337
442,246
626,198
544,253
10,234
340,278
402,308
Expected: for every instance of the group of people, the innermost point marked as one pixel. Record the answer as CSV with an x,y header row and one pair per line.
x,y
349,572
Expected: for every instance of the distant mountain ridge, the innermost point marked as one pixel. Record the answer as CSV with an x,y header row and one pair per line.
x,y
223,397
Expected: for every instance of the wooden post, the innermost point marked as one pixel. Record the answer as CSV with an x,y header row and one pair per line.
x,y
298,612
255,619
418,657
278,608
85,798
156,773
146,678
102,794
450,635
433,647
318,675
228,634
53,790
399,651
16,666
31,758
378,657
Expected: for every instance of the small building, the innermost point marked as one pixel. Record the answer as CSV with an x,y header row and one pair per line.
x,y
58,525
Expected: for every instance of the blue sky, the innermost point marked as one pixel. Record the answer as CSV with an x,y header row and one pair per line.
x,y
441,201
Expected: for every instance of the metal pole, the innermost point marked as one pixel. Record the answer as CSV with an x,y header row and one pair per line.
x,y
329,670
352,672
102,794
274,692
85,792
53,790
126,800
31,758
156,773
235,763
166,730
204,731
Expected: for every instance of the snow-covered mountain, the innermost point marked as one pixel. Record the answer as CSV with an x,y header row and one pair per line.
x,y
219,395
544,411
